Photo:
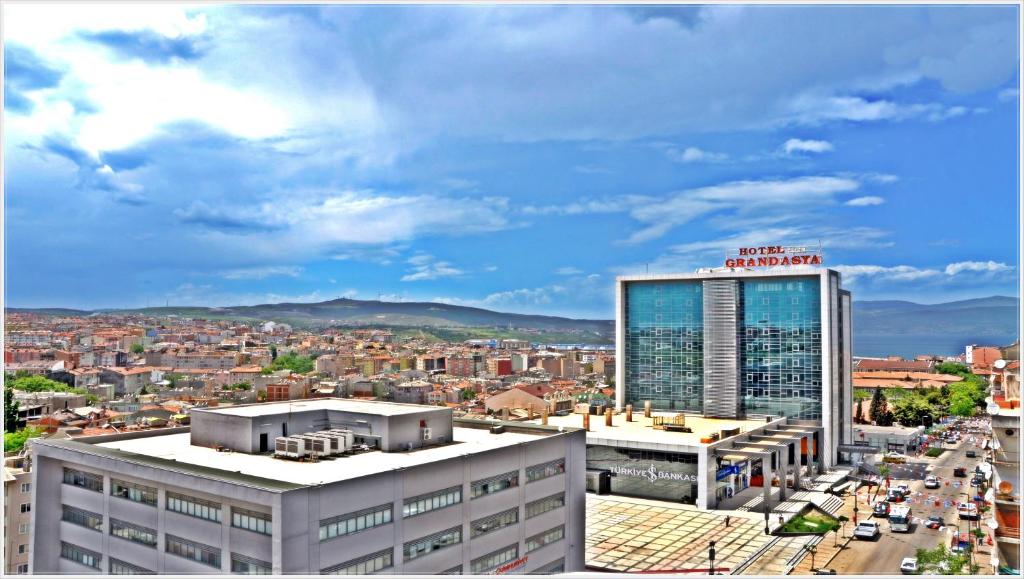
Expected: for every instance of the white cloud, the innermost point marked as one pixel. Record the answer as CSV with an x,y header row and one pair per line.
x,y
591,206
1008,95
815,109
741,197
865,201
426,267
490,268
262,272
696,155
806,146
568,271
977,266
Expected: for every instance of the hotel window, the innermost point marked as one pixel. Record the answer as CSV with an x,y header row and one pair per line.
x,y
194,507
794,378
119,567
546,538
366,565
251,520
545,470
86,480
492,560
796,394
541,506
767,347
798,347
133,492
80,555
795,332
494,522
494,484
242,565
750,377
354,522
765,301
82,518
796,300
134,533
198,552
796,362
432,543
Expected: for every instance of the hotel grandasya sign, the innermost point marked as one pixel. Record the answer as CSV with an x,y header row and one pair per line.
x,y
773,256
652,474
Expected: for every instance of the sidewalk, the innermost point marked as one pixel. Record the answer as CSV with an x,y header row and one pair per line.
x,y
829,547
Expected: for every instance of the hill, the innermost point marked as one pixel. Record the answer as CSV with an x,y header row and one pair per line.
x,y
995,316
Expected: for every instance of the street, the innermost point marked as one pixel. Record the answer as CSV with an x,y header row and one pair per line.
x,y
883,556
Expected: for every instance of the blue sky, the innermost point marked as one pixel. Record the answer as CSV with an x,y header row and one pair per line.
x,y
513,158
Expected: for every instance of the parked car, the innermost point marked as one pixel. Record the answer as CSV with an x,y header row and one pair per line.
x,y
909,566
972,454
894,496
867,530
881,509
934,522
894,458
967,510
960,471
931,482
903,488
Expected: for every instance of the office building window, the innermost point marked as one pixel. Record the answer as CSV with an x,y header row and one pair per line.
x,y
86,480
456,570
355,522
251,520
193,507
431,543
542,471
242,565
556,566
546,538
82,518
80,555
134,533
432,501
119,567
366,565
492,560
133,492
494,484
544,505
494,522
199,552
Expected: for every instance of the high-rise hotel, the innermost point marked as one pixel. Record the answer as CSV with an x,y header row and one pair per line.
x,y
737,343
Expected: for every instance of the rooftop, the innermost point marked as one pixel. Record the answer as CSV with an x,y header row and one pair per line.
x,y
175,452
339,404
641,429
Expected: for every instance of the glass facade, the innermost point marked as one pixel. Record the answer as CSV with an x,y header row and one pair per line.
x,y
670,476
779,340
780,347
665,344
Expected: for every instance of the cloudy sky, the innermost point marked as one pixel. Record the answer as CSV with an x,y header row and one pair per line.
x,y
515,158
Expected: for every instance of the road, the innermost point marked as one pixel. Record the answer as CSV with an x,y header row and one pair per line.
x,y
883,556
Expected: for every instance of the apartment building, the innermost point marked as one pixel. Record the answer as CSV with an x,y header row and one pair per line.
x,y
428,494
17,514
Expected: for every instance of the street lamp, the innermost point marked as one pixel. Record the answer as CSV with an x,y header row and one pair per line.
x,y
856,488
766,531
711,556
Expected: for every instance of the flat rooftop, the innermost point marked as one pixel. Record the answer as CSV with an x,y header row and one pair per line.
x,y
241,467
338,404
641,429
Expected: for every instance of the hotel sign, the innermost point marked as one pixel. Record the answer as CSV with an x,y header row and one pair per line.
x,y
652,474
773,255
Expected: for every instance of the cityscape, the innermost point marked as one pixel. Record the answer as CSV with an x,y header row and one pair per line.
x,y
477,289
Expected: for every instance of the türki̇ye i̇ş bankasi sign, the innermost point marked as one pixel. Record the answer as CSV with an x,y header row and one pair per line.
x,y
773,255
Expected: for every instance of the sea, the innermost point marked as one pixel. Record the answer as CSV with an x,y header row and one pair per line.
x,y
910,345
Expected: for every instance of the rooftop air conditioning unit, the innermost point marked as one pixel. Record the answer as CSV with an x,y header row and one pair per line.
x,y
347,435
315,446
335,443
290,447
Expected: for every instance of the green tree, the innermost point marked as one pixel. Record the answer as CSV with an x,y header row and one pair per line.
x,y
10,409
858,413
961,404
951,368
468,394
911,410
240,386
291,361
15,441
878,404
940,561
138,348
38,384
273,352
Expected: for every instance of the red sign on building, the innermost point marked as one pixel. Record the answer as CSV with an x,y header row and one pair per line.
x,y
772,256
502,569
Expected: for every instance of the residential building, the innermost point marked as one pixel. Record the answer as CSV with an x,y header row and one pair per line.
x,y
504,496
17,514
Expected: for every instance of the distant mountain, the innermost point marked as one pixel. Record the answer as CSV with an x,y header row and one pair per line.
x,y
991,316
366,312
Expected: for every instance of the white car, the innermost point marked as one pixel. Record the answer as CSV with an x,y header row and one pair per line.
x,y
909,566
866,530
931,482
904,488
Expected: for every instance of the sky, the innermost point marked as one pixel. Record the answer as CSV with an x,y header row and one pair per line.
x,y
516,158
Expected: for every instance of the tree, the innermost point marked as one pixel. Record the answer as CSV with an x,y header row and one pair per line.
x,y
10,409
240,386
951,368
858,413
911,410
940,561
961,404
38,384
884,418
877,404
273,352
468,394
15,441
138,348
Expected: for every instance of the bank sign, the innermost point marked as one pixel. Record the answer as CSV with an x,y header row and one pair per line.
x,y
772,256
652,474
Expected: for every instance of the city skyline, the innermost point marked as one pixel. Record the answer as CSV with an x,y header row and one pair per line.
x,y
510,158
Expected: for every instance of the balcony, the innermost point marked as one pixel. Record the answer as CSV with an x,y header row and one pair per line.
x,y
1008,518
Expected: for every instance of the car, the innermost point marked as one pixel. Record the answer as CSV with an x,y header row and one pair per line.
x,y
909,566
825,572
931,482
895,496
967,510
867,530
960,471
894,458
972,454
903,488
934,522
881,509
